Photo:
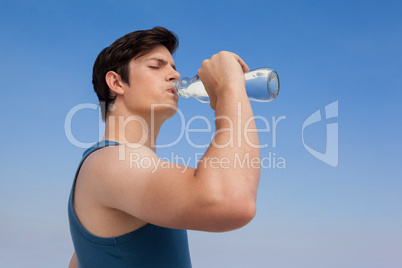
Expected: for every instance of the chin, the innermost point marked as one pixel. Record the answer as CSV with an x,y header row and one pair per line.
x,y
165,110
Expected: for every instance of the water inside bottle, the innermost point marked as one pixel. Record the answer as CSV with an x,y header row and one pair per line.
x,y
262,85
198,91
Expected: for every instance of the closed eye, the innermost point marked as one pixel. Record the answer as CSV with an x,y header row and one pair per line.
x,y
159,62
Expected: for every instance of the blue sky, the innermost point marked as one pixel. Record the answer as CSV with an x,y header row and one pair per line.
x,y
310,214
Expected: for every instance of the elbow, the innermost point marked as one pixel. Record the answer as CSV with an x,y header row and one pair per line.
x,y
225,208
243,214
233,215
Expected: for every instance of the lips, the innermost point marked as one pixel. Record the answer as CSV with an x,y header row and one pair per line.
x,y
172,90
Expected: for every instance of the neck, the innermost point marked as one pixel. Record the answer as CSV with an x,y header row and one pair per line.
x,y
132,129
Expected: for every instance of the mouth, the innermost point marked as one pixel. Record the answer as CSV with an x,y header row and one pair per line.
x,y
172,90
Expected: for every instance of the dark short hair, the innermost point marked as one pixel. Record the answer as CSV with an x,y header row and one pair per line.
x,y
118,55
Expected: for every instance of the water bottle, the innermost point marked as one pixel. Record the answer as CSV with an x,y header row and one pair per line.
x,y
262,85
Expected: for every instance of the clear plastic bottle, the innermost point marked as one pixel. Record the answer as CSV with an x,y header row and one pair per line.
x,y
261,85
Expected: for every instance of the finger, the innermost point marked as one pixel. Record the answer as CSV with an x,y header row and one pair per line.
x,y
242,63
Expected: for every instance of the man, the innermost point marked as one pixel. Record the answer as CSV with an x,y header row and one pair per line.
x,y
124,215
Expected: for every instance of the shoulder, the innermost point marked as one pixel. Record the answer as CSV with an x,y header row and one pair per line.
x,y
111,159
106,172
120,152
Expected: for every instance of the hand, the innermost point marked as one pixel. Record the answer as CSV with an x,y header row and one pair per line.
x,y
221,74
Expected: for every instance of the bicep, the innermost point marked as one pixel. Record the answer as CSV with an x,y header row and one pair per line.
x,y
153,190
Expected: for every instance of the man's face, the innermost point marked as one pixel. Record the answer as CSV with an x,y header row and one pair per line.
x,y
150,83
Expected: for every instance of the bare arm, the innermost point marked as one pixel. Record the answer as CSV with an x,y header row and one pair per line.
x,y
236,186
73,262
209,198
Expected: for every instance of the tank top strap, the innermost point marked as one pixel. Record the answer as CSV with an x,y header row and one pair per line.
x,y
97,146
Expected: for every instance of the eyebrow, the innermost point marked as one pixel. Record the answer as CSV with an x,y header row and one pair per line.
x,y
162,61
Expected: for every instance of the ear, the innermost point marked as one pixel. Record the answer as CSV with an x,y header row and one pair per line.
x,y
113,80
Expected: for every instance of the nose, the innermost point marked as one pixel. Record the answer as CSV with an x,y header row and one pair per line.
x,y
174,75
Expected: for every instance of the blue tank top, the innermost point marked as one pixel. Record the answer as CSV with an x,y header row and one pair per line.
x,y
149,246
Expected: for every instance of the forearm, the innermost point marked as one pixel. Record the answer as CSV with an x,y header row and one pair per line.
x,y
231,163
